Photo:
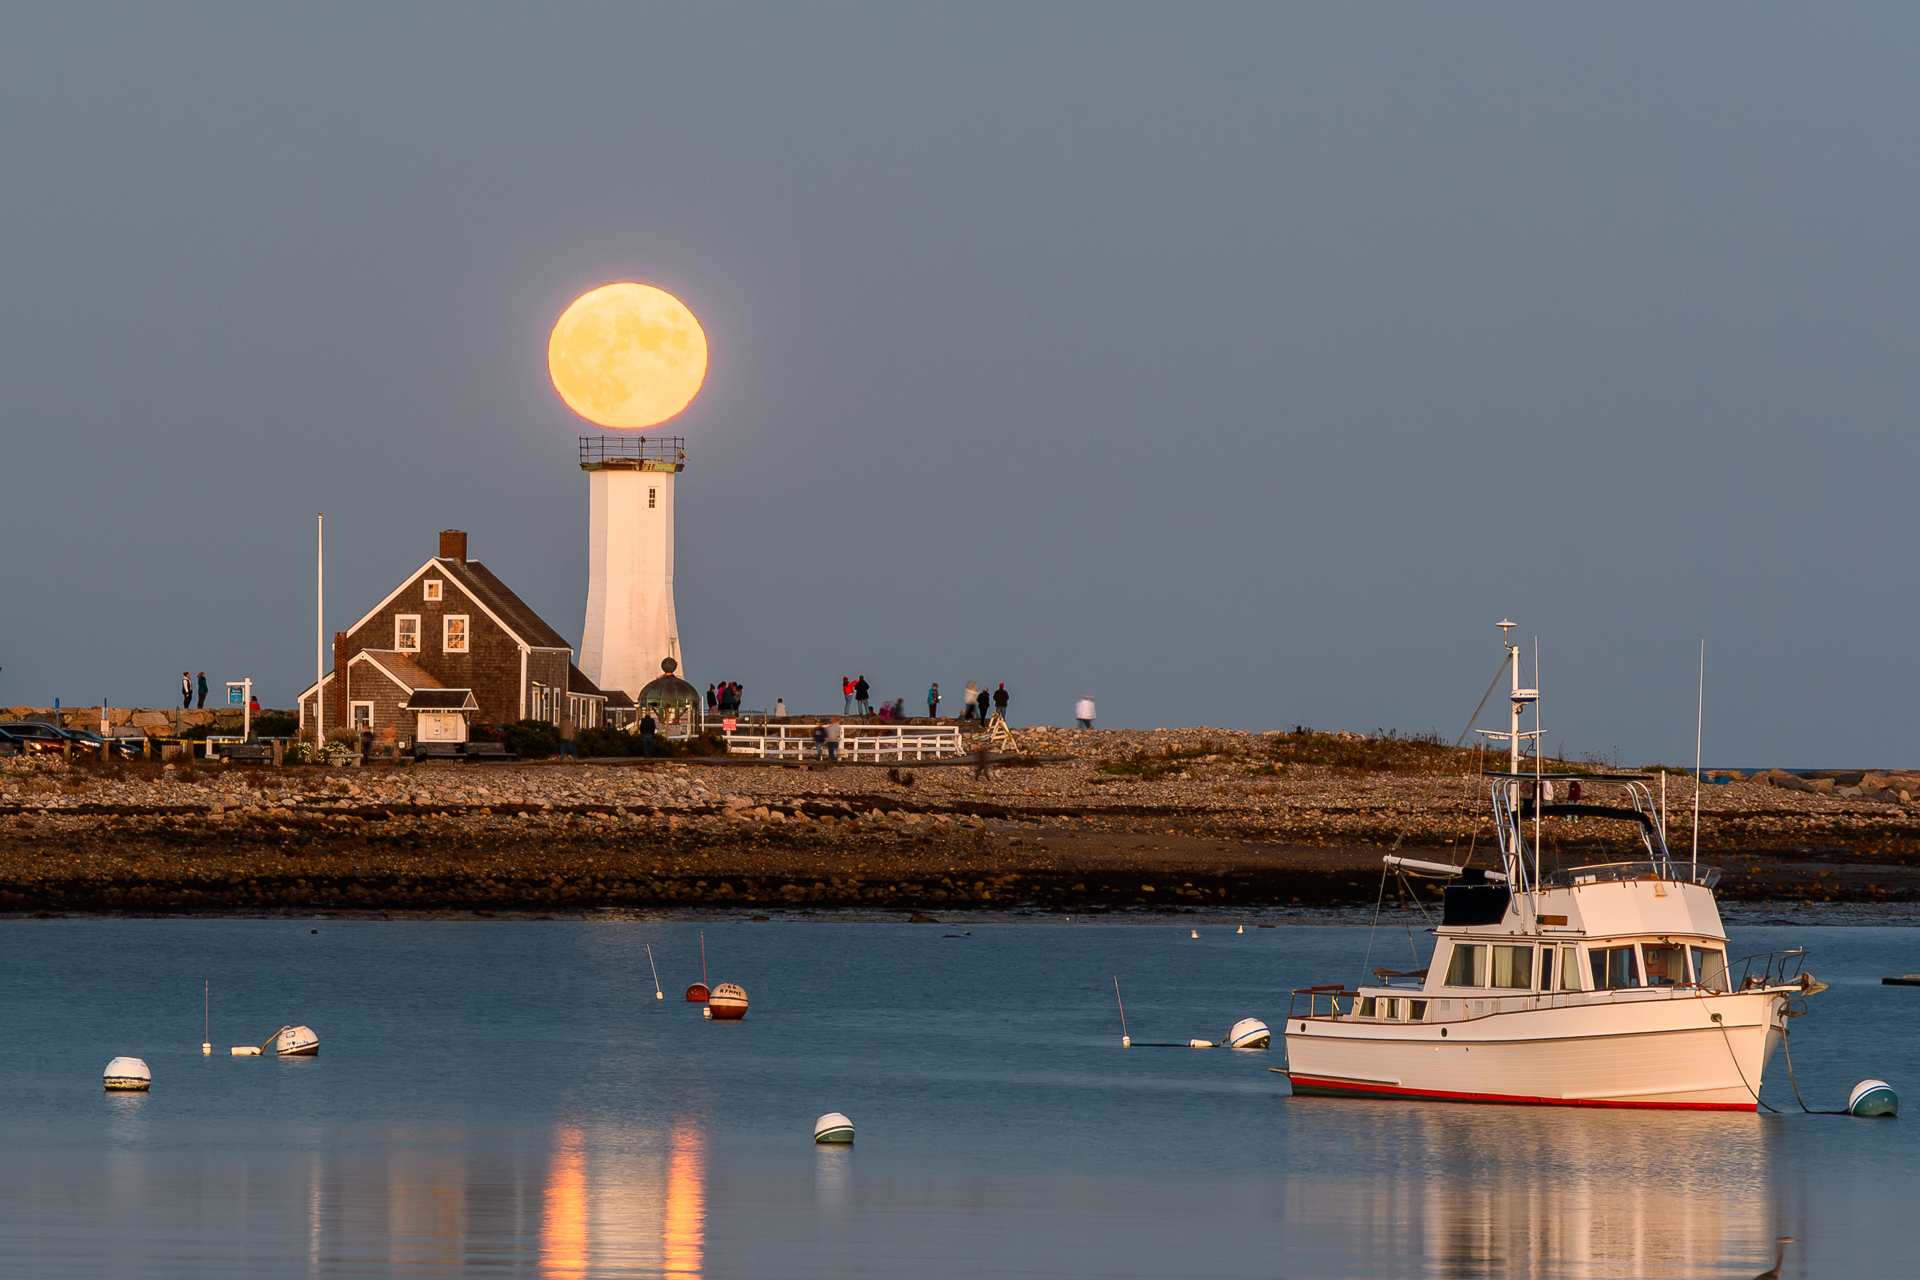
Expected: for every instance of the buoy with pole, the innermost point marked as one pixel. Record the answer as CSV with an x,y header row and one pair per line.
x,y
697,993
658,994
206,1017
1126,1041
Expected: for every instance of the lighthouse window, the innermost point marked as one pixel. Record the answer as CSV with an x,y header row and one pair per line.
x,y
1710,967
1666,966
1513,967
1468,966
1614,967
651,495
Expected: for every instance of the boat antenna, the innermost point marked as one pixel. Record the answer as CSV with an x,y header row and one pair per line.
x,y
1539,763
1699,719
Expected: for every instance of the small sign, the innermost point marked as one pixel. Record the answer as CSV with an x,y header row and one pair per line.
x,y
236,697
729,724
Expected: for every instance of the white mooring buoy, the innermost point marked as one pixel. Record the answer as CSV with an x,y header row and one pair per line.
x,y
728,1002
1200,1044
1241,929
1873,1098
1249,1033
295,1042
1194,932
833,1127
129,1075
246,1051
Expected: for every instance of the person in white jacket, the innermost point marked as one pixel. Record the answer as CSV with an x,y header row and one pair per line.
x,y
1083,712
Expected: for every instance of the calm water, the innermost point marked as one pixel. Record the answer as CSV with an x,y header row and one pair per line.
x,y
507,1097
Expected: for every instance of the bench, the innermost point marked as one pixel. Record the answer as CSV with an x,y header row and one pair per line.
x,y
247,751
477,752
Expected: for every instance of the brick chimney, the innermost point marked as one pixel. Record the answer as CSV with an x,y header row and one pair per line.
x,y
338,718
453,545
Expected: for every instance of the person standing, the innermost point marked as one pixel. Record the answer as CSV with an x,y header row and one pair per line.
x,y
834,732
1083,712
973,694
203,692
647,727
933,701
186,690
1000,701
982,700
846,691
861,691
253,703
713,701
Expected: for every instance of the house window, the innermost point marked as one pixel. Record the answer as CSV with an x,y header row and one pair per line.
x,y
651,495
432,586
453,633
361,714
406,633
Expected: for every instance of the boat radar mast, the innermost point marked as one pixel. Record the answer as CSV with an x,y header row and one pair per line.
x,y
1518,700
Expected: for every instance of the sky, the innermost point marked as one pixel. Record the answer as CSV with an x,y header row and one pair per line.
x,y
1236,365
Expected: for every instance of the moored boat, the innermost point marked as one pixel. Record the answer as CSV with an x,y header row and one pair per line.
x,y
1605,985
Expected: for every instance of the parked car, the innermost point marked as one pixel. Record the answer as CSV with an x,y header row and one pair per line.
x,y
10,745
88,740
34,736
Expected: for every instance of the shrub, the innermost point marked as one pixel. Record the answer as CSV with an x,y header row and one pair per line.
x,y
276,724
532,739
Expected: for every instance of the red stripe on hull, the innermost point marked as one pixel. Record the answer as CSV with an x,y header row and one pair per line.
x,y
1307,1086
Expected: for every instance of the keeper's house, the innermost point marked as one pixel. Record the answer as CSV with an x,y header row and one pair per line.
x,y
451,647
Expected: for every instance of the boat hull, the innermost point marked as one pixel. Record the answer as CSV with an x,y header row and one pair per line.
x,y
1664,1053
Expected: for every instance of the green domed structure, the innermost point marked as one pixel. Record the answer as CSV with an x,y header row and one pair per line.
x,y
675,704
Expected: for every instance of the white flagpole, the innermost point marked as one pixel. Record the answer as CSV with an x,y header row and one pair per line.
x,y
319,628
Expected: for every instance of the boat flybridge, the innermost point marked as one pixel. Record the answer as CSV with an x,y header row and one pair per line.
x,y
1602,985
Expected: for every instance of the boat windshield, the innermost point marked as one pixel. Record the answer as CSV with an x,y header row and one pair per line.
x,y
1614,967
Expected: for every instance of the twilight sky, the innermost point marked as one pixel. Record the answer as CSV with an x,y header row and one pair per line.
x,y
1236,365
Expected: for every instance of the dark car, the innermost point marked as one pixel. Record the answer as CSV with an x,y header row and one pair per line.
x,y
10,745
34,736
88,740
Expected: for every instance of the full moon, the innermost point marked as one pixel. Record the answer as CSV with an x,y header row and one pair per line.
x,y
627,355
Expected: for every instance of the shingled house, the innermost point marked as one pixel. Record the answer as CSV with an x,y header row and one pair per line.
x,y
449,647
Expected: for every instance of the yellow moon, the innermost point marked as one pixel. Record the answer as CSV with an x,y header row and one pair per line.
x,y
627,355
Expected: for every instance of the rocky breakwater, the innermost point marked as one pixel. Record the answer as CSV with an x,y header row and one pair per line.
x,y
1084,821
154,724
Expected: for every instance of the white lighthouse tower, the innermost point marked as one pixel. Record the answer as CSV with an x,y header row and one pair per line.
x,y
630,625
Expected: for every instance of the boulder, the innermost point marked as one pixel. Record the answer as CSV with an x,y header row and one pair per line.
x,y
151,719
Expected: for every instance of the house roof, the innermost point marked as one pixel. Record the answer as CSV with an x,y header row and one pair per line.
x,y
400,666
580,686
441,700
619,701
521,619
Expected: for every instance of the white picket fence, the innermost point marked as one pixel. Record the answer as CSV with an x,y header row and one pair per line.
x,y
863,743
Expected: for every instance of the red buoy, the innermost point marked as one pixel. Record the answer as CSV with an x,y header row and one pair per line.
x,y
697,993
729,1002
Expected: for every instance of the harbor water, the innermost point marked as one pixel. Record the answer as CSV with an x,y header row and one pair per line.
x,y
508,1097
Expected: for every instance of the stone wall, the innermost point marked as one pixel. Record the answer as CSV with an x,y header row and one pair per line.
x,y
155,724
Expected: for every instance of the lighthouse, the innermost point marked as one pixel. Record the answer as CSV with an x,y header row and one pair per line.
x,y
630,623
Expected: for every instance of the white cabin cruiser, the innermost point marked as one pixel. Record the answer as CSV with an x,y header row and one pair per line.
x,y
1603,986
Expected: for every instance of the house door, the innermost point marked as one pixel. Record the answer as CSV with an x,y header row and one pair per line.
x,y
442,726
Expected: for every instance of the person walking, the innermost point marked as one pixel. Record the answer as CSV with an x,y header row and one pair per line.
x,y
1083,712
820,742
933,701
1000,701
203,692
846,690
647,727
982,699
861,691
834,732
973,694
186,690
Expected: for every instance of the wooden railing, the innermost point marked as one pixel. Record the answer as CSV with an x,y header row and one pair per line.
x,y
863,743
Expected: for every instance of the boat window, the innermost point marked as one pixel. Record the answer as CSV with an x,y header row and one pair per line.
x,y
1569,969
1710,967
1666,966
1547,969
1366,1007
1417,1010
1468,966
1613,967
1513,967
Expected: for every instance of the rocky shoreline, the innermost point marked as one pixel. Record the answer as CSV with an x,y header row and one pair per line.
x,y
1082,821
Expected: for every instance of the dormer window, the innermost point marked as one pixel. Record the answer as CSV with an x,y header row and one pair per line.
x,y
432,588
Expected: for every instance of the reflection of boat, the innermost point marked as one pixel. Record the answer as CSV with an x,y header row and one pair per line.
x,y
1590,986
296,1042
